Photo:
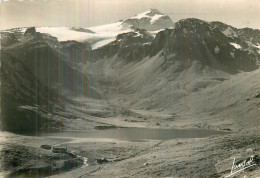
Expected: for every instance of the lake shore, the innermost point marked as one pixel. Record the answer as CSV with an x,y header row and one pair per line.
x,y
207,157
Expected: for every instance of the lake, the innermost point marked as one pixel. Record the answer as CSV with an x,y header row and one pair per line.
x,y
136,134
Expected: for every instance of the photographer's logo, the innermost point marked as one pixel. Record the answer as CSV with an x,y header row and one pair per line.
x,y
242,165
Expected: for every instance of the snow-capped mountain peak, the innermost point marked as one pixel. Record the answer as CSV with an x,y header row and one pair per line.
x,y
151,20
153,14
98,36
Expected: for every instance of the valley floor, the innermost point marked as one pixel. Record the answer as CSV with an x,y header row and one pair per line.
x,y
21,156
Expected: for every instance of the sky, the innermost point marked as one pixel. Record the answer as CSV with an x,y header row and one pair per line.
x,y
87,13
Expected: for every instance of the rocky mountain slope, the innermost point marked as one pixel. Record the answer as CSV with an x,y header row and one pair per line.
x,y
190,40
144,63
36,73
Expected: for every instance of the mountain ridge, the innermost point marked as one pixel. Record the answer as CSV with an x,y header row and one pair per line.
x,y
137,68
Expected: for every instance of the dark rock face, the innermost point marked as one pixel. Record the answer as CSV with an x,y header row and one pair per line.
x,y
245,34
193,39
8,39
33,74
190,40
21,96
50,66
160,41
31,32
129,46
134,45
74,45
138,36
75,50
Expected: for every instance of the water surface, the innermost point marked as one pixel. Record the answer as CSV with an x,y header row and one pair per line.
x,y
137,134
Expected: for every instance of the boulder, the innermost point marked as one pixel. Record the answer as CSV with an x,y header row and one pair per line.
x,y
102,160
46,147
30,31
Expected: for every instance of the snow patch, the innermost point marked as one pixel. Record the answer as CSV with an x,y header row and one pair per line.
x,y
153,18
156,17
230,33
254,45
102,43
103,35
138,34
63,33
142,15
148,43
257,46
157,31
237,46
